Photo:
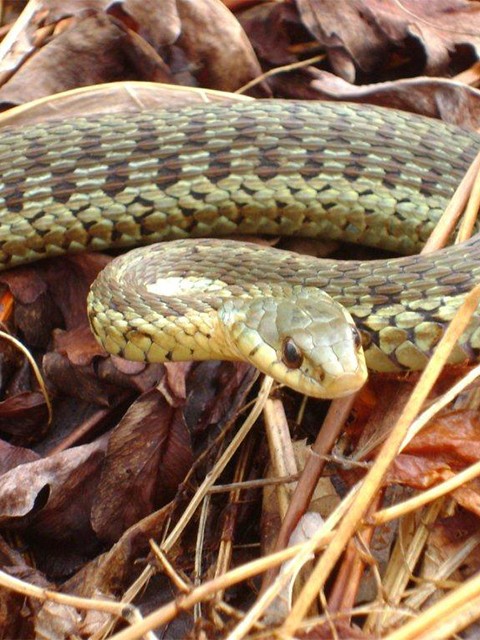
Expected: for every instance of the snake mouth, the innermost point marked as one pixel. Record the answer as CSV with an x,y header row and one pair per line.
x,y
340,387
347,384
317,382
329,385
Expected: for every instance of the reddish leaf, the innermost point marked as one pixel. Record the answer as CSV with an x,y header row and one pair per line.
x,y
452,438
417,472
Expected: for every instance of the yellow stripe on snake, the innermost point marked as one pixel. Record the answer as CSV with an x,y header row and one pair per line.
x,y
359,173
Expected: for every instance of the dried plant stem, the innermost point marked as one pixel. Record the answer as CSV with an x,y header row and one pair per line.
x,y
220,466
455,207
299,559
471,212
436,620
208,589
281,449
333,424
347,582
408,548
119,609
19,26
283,69
225,550
429,587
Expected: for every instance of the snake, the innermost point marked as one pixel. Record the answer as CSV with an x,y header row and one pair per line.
x,y
179,180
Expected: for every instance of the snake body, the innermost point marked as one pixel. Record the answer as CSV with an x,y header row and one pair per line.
x,y
358,173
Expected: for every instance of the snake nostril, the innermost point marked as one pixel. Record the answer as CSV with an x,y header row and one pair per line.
x,y
292,357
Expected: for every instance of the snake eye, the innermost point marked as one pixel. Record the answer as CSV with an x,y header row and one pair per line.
x,y
292,357
357,338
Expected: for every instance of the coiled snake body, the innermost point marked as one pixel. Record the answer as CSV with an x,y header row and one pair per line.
x,y
359,173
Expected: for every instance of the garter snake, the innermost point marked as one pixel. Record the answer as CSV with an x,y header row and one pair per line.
x,y
359,173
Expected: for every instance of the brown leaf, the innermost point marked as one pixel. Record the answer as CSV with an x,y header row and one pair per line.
x,y
159,28
115,567
202,42
25,284
53,494
57,10
448,537
130,375
148,456
35,312
79,381
173,384
213,41
202,38
150,452
451,101
468,496
270,27
367,34
78,345
69,282
92,50
101,377
11,456
57,621
214,391
450,533
51,294
24,414
450,442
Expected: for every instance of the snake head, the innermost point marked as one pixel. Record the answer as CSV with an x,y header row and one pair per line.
x,y
306,340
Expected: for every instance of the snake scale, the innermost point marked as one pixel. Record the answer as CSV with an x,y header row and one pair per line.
x,y
334,170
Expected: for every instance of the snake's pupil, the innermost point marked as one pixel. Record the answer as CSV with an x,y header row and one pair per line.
x,y
291,355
